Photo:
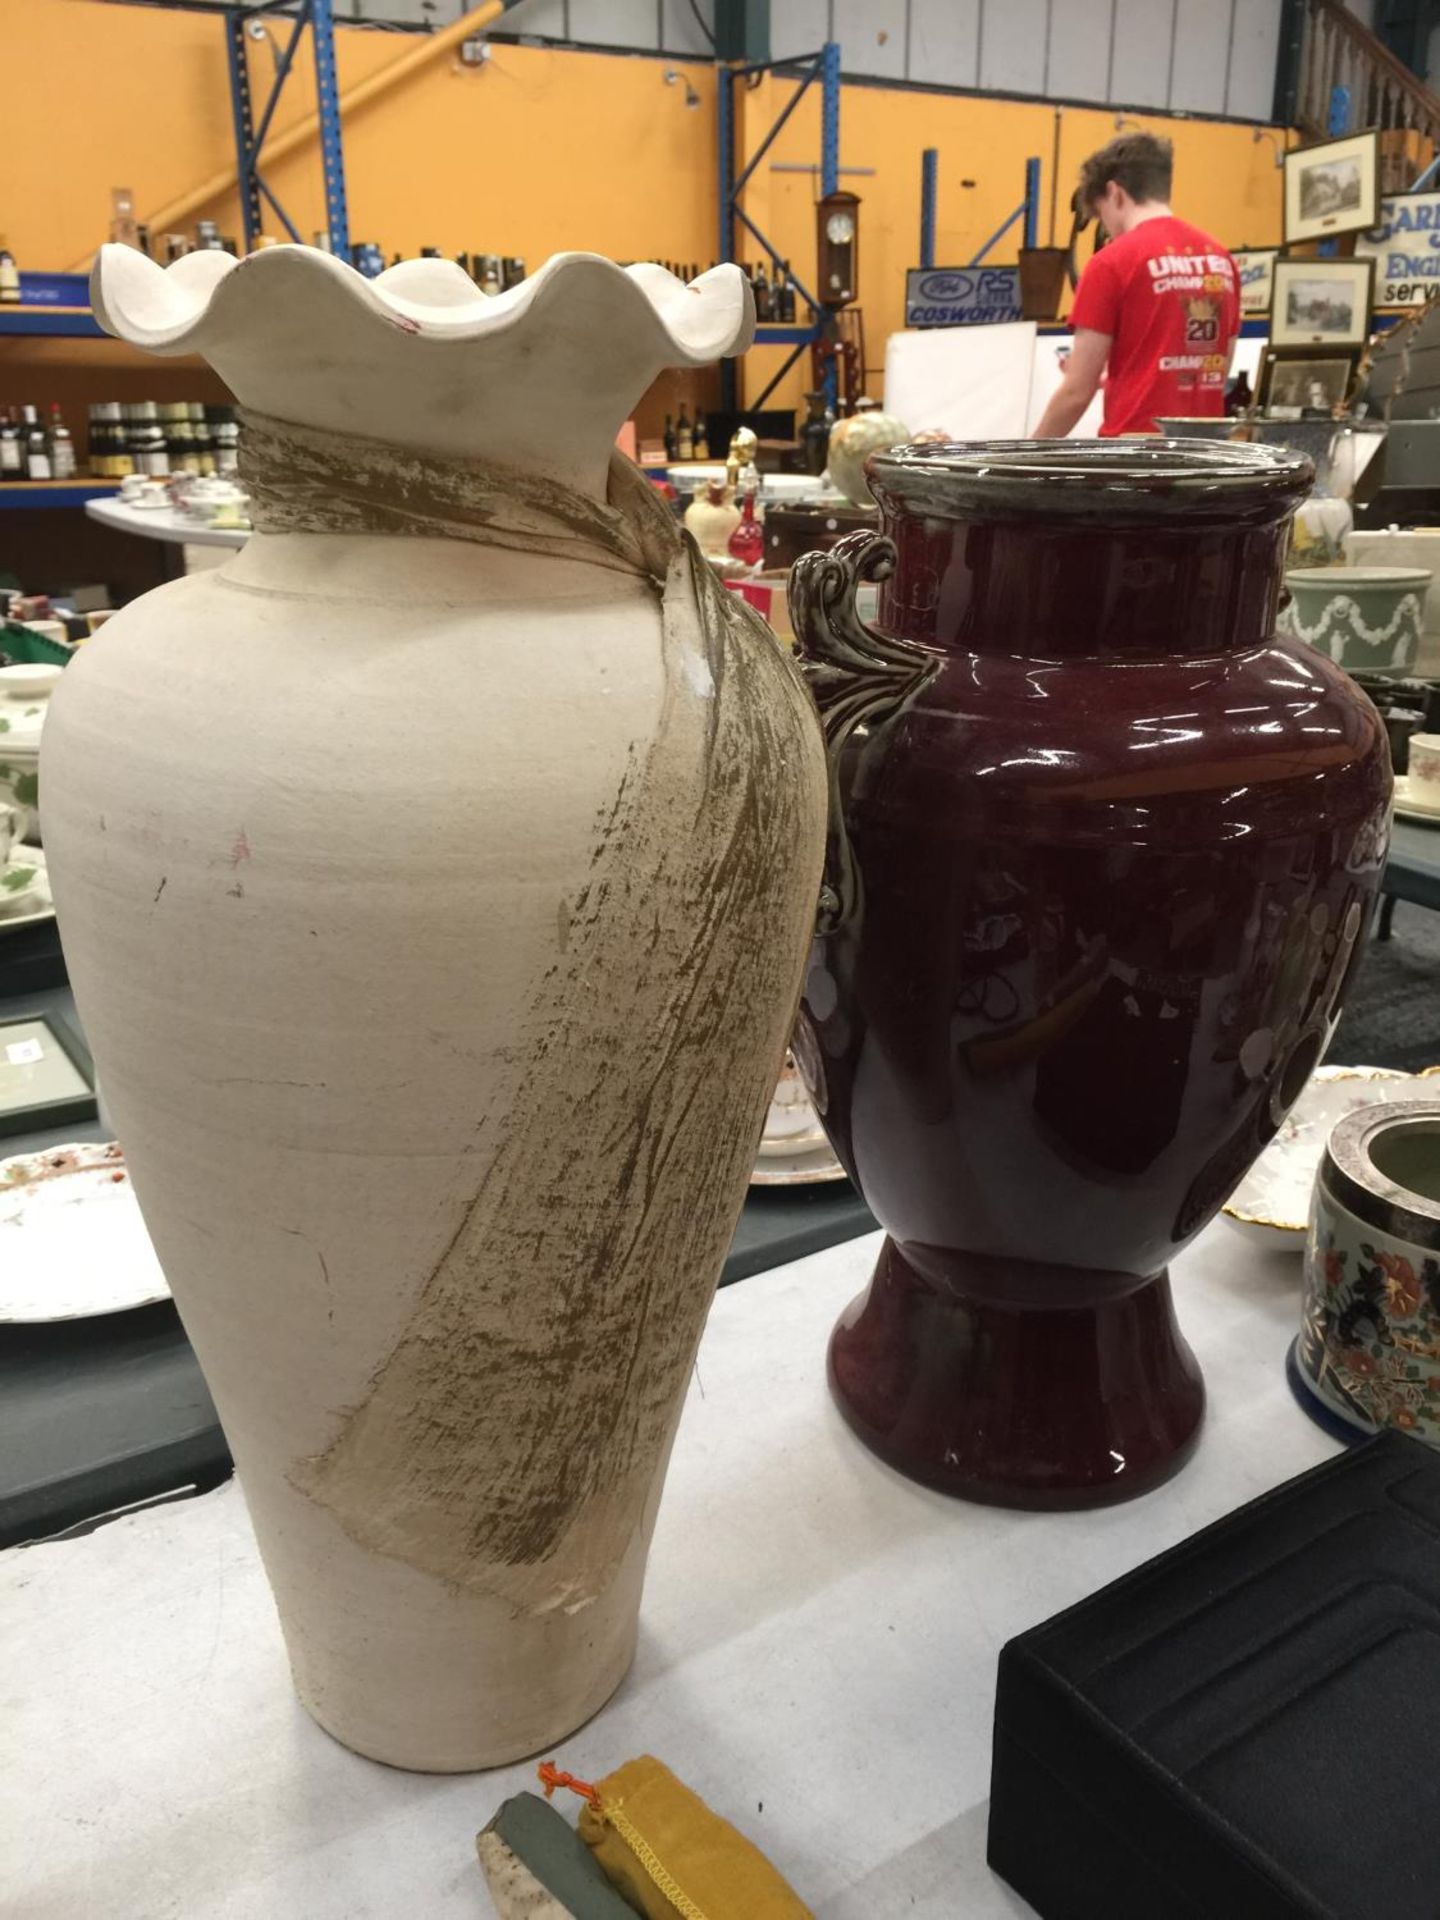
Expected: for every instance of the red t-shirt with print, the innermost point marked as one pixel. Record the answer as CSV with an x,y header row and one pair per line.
x,y
1168,296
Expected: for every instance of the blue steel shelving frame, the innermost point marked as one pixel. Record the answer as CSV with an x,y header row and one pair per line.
x,y
1028,209
250,137
823,66
319,17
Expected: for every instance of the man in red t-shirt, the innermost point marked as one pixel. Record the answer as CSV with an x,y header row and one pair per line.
x,y
1156,311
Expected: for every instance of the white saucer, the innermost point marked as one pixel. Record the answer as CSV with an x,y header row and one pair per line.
x,y
35,905
1410,808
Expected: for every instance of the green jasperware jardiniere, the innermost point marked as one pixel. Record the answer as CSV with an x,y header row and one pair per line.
x,y
1365,618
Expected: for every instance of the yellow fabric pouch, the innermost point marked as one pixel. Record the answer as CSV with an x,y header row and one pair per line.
x,y
665,1852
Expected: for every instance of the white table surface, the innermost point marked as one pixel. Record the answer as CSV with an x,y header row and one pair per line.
x,y
155,523
819,1640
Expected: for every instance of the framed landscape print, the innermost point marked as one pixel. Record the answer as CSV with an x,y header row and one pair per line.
x,y
1332,188
1294,384
1322,303
1257,279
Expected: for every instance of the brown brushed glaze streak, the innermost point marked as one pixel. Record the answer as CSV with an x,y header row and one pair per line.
x,y
520,1417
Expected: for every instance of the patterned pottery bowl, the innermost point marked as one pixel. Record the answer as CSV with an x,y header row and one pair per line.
x,y
1369,618
1369,1345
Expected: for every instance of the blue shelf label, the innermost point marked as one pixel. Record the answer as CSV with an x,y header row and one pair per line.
x,y
961,296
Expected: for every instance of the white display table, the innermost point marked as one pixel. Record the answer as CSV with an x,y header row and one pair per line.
x,y
817,1652
154,523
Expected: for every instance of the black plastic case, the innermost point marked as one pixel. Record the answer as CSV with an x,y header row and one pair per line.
x,y
1247,1727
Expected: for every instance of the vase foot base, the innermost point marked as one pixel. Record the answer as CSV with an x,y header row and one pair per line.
x,y
950,1381
398,1741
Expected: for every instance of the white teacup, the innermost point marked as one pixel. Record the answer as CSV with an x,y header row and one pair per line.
x,y
12,829
1423,768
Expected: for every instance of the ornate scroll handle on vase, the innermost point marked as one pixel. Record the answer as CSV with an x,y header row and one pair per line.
x,y
856,675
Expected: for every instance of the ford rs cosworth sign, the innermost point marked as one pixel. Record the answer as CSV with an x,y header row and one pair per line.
x,y
961,296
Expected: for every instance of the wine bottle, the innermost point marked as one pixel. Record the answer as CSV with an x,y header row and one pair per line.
x,y
37,451
672,444
12,453
702,437
60,446
200,435
684,435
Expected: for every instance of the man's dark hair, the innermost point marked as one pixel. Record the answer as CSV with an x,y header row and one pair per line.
x,y
1141,163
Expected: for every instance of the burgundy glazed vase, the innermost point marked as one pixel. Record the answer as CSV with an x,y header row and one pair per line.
x,y
1102,852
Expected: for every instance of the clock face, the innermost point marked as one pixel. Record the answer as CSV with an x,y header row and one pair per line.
x,y
840,227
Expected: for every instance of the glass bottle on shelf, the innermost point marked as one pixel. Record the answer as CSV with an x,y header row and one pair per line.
x,y
61,446
9,279
119,459
701,438
684,436
201,438
763,309
225,432
12,452
672,443
37,450
192,453
148,447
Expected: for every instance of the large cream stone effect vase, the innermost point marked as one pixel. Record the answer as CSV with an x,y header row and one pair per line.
x,y
436,878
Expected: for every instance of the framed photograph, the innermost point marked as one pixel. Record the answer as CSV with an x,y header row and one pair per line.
x,y
1322,303
1294,384
47,1078
1257,279
1332,188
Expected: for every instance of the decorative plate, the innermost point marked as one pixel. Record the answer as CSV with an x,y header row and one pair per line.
x,y
72,1242
802,1169
1272,1203
1410,807
793,1148
27,908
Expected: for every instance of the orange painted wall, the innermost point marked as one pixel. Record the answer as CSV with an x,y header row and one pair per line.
x,y
542,150
1226,180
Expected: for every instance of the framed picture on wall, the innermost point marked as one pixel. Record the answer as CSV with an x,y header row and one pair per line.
x,y
1295,384
1332,188
1257,279
1322,303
